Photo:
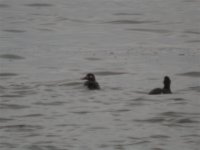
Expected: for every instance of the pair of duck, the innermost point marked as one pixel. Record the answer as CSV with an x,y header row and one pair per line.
x,y
92,84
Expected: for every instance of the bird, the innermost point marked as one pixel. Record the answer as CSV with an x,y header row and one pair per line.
x,y
165,90
91,82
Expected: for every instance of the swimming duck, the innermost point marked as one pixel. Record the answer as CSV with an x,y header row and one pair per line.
x,y
165,90
91,82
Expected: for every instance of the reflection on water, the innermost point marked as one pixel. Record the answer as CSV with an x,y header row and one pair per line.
x,y
46,47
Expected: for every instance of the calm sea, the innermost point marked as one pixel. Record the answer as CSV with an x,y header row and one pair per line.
x,y
46,46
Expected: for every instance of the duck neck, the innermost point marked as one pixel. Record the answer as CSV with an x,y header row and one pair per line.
x,y
92,80
167,86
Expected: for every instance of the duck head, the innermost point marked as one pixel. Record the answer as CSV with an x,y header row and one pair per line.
x,y
166,82
89,77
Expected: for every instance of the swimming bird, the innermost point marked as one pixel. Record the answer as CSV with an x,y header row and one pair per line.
x,y
91,82
165,90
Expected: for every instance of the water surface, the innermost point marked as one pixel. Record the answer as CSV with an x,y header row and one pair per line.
x,y
47,46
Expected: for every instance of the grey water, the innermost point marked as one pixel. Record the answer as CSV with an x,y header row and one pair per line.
x,y
46,46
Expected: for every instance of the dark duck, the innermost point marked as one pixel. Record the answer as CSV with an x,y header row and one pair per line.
x,y
165,90
91,82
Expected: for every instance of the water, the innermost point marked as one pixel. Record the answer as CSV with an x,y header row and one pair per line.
x,y
47,46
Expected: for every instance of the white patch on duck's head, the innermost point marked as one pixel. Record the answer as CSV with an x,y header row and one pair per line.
x,y
89,77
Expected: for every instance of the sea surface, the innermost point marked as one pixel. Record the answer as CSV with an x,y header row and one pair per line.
x,y
47,46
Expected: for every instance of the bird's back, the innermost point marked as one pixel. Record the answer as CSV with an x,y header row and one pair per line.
x,y
156,91
92,85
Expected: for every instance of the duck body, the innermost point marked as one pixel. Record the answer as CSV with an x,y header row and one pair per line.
x,y
156,91
92,85
91,82
165,90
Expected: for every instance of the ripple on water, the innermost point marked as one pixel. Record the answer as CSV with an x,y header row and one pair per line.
x,y
193,41
81,112
11,56
141,92
118,110
21,86
192,32
13,106
2,90
4,5
156,148
14,30
195,88
32,115
39,5
127,14
21,128
7,74
143,99
159,136
93,58
108,73
11,95
2,120
136,102
142,140
131,22
70,84
47,145
191,74
22,93
178,118
19,90
97,128
7,145
178,99
190,1
171,114
50,103
2,87
161,31
151,120
186,120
